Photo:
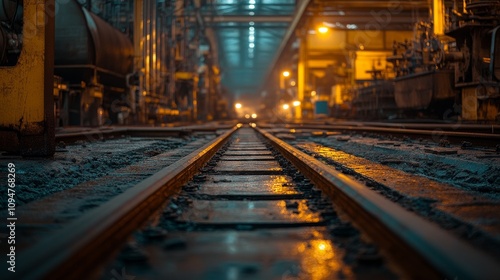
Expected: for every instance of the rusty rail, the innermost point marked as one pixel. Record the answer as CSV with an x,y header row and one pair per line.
x,y
79,248
420,247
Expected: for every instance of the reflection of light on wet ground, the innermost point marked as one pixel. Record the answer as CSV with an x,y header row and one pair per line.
x,y
319,259
276,185
231,241
324,151
301,213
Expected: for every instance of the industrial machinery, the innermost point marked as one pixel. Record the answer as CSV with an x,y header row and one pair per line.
x,y
375,100
110,79
475,26
424,74
442,72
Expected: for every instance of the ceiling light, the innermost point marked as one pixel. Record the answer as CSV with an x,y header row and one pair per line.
x,y
323,29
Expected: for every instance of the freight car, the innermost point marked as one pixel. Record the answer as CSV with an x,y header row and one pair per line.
x,y
94,59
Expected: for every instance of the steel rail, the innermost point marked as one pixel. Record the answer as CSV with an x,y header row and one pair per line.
x,y
420,247
436,131
114,132
487,139
78,249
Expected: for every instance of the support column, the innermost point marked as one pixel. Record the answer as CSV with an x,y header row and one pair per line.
x,y
138,56
27,118
438,17
301,75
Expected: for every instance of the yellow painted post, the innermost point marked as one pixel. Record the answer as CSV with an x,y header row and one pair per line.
x,y
26,89
438,16
301,75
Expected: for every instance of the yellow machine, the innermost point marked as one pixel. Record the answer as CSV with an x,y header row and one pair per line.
x,y
26,77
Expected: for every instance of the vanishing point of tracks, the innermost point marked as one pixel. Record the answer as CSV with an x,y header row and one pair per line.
x,y
249,206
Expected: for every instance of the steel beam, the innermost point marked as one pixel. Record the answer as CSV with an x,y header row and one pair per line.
x,y
300,11
243,18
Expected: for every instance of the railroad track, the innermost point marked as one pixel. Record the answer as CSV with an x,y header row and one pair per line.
x,y
237,208
476,135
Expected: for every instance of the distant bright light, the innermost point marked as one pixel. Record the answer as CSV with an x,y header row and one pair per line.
x,y
254,116
296,103
251,2
361,47
247,116
293,83
251,7
251,23
313,93
323,29
251,45
286,73
238,105
251,28
251,13
351,26
251,38
286,106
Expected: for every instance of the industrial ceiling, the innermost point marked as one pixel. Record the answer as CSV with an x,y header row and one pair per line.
x,y
253,35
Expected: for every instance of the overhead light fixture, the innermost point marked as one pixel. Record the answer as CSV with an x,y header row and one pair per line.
x,y
286,73
322,29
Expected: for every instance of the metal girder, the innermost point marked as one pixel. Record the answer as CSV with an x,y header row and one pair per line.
x,y
300,11
375,4
243,18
